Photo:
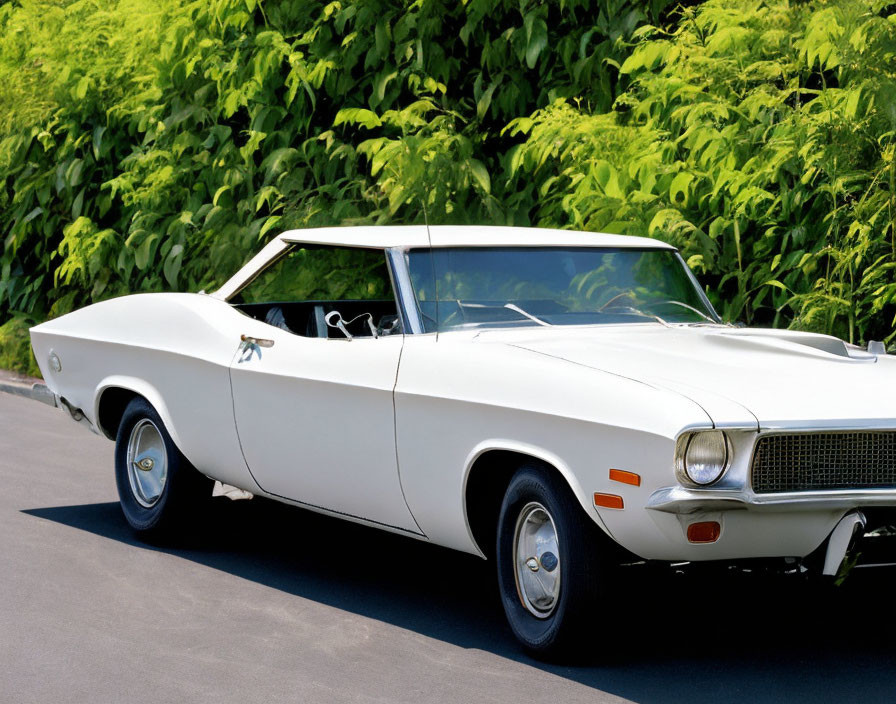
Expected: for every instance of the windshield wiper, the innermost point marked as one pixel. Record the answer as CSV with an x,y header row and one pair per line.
x,y
631,310
516,309
694,310
509,306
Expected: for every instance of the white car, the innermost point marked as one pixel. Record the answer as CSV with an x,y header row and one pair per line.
x,y
557,401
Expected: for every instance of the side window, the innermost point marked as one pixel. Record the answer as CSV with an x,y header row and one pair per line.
x,y
297,291
321,274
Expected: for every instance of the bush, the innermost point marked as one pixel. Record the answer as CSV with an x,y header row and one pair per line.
x,y
758,139
151,145
15,347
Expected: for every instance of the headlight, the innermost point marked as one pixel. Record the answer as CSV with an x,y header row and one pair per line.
x,y
701,458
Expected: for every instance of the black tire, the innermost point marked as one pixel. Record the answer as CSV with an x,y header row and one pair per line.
x,y
586,567
185,493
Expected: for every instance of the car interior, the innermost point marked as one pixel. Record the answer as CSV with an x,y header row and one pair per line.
x,y
322,291
309,318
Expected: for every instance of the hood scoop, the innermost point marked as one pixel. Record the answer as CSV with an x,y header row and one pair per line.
x,y
791,341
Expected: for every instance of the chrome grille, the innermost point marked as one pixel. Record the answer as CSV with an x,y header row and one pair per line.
x,y
818,461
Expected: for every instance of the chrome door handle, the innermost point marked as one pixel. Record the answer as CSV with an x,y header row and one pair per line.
x,y
260,341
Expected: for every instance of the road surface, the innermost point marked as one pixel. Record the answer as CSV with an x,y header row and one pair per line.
x,y
276,604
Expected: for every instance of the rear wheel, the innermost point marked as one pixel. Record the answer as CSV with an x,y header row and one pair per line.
x,y
158,487
553,565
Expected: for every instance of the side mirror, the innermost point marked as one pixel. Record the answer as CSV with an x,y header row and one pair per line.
x,y
333,319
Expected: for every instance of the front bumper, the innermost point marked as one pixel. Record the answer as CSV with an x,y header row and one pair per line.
x,y
681,500
791,524
773,524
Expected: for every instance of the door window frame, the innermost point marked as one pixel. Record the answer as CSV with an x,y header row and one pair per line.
x,y
396,265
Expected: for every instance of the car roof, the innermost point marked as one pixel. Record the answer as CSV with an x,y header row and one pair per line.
x,y
409,236
385,236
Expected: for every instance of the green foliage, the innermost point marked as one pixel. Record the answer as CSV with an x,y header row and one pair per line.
x,y
150,144
155,144
757,138
15,347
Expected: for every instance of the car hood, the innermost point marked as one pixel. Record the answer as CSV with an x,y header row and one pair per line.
x,y
740,376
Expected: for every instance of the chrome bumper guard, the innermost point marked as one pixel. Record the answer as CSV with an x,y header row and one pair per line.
x,y
841,542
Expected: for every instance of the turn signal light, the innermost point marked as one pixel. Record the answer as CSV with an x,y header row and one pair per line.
x,y
705,532
608,500
620,475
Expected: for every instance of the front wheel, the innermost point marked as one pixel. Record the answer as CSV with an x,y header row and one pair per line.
x,y
157,486
552,564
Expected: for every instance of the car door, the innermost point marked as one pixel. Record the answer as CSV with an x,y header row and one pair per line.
x,y
315,414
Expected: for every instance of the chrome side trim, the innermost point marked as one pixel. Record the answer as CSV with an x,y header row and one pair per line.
x,y
404,291
270,253
703,297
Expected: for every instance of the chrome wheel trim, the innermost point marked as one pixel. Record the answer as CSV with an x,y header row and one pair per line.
x,y
147,463
536,560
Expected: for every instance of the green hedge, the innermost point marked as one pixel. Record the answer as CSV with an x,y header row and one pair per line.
x,y
760,140
15,347
154,145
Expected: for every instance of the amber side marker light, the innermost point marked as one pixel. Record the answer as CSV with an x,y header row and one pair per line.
x,y
620,475
705,532
608,500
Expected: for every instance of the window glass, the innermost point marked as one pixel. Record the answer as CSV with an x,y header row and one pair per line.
x,y
309,273
474,286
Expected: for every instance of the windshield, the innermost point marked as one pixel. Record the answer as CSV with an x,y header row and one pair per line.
x,y
510,286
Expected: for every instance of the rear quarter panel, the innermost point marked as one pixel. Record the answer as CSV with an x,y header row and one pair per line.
x,y
174,349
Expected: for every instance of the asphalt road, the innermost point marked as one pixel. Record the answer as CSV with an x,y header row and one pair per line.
x,y
273,604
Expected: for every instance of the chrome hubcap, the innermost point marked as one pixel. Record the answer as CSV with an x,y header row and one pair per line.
x,y
147,463
537,555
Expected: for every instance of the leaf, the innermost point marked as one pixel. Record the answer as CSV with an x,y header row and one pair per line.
x,y
485,100
480,175
852,103
270,223
277,162
78,204
679,188
33,214
776,284
357,116
381,38
608,179
144,252
98,133
172,265
537,41
379,87
220,192
81,88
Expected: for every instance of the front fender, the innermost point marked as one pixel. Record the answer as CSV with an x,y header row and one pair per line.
x,y
535,452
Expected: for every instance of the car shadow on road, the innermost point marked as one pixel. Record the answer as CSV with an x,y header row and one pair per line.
x,y
674,637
